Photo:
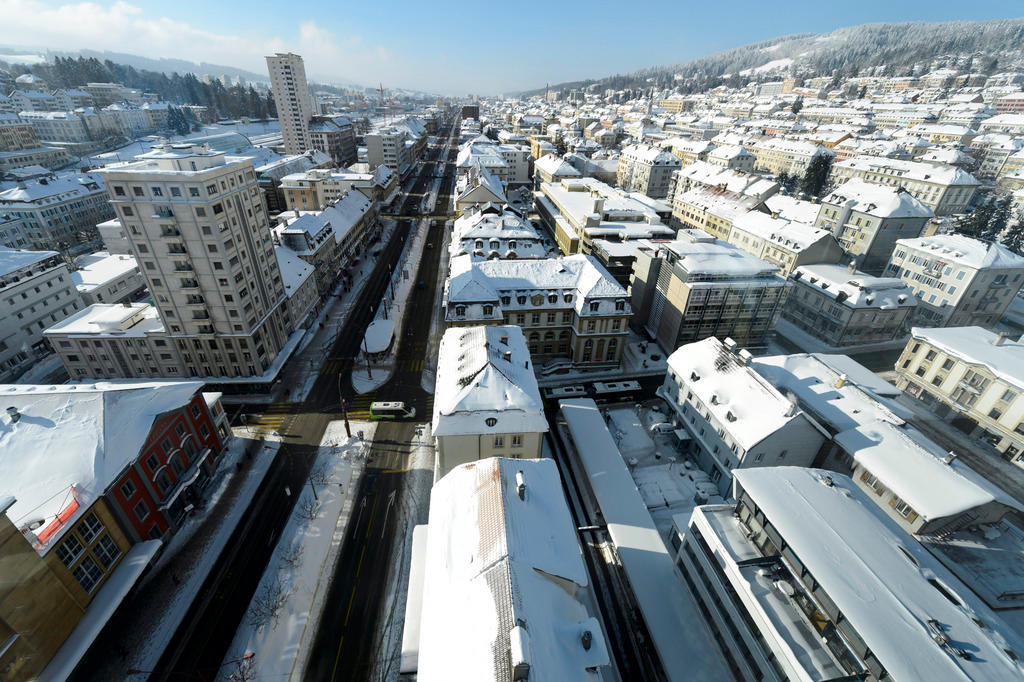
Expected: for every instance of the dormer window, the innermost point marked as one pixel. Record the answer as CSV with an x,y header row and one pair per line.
x,y
460,310
505,300
521,300
553,298
488,309
620,305
490,421
594,306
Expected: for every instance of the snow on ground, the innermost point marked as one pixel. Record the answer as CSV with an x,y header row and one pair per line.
x,y
141,146
773,65
285,609
403,280
668,481
146,643
413,510
49,370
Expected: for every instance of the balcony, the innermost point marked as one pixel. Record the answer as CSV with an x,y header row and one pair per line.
x,y
163,212
178,249
200,315
170,232
195,299
183,266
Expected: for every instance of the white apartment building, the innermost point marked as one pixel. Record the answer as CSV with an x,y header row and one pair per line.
x,y
570,308
108,278
58,209
292,100
509,163
804,578
959,281
1012,124
647,169
335,136
689,150
733,416
733,157
36,291
58,126
776,155
704,174
944,189
971,375
867,219
784,243
840,306
387,147
12,232
697,286
318,188
491,232
487,403
200,234
115,239
552,168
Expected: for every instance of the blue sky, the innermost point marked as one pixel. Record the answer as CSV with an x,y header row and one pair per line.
x,y
447,46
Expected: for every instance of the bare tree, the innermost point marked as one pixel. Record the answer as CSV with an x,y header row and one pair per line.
x,y
319,475
308,508
245,671
267,603
291,556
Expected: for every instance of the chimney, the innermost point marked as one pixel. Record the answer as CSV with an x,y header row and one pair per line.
x,y
13,414
948,459
852,267
746,356
1000,339
730,343
521,485
841,381
791,410
507,356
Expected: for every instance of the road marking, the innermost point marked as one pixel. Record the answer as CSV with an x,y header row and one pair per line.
x,y
369,524
351,601
359,568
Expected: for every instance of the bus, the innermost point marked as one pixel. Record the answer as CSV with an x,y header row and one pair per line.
x,y
566,392
616,390
392,410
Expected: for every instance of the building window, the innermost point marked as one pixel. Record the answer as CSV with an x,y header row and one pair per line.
x,y
107,551
88,574
490,421
517,441
930,355
70,550
948,364
127,489
89,528
499,442
594,306
141,510
1008,396
995,413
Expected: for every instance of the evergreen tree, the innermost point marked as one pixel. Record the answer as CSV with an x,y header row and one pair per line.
x,y
560,147
1014,238
798,104
816,176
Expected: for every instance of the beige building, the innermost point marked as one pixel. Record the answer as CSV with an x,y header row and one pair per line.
x,y
944,189
959,281
697,286
570,308
841,306
486,403
776,156
647,169
318,188
784,243
201,236
711,210
292,99
867,219
689,150
972,377
552,168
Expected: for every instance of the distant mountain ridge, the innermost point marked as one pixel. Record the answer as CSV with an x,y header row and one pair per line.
x,y
844,52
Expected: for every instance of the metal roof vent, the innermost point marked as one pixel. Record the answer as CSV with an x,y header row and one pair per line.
x,y
13,414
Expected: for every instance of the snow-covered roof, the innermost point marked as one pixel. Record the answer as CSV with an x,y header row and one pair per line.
x,y
965,251
53,188
882,580
878,200
912,170
792,235
650,155
976,346
294,270
111,319
501,579
16,259
738,397
677,630
715,258
793,209
856,289
97,269
485,373
72,441
555,166
712,175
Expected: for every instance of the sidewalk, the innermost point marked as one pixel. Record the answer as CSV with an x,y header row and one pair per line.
x,y
147,620
429,378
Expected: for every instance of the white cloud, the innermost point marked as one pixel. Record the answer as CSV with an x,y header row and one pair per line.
x,y
123,27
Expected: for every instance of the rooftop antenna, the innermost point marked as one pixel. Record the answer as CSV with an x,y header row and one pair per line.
x,y
383,103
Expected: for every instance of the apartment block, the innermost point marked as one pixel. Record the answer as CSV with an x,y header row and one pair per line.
x,y
973,377
292,100
784,243
201,236
570,308
491,232
774,576
647,169
36,291
959,281
697,286
867,219
944,189
776,155
387,147
734,418
58,210
335,136
841,306
108,278
318,188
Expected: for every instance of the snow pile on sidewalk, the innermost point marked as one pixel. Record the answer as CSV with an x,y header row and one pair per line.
x,y
402,282
285,610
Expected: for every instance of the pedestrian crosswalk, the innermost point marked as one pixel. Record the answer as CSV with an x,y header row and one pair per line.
x,y
273,417
358,407
334,365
